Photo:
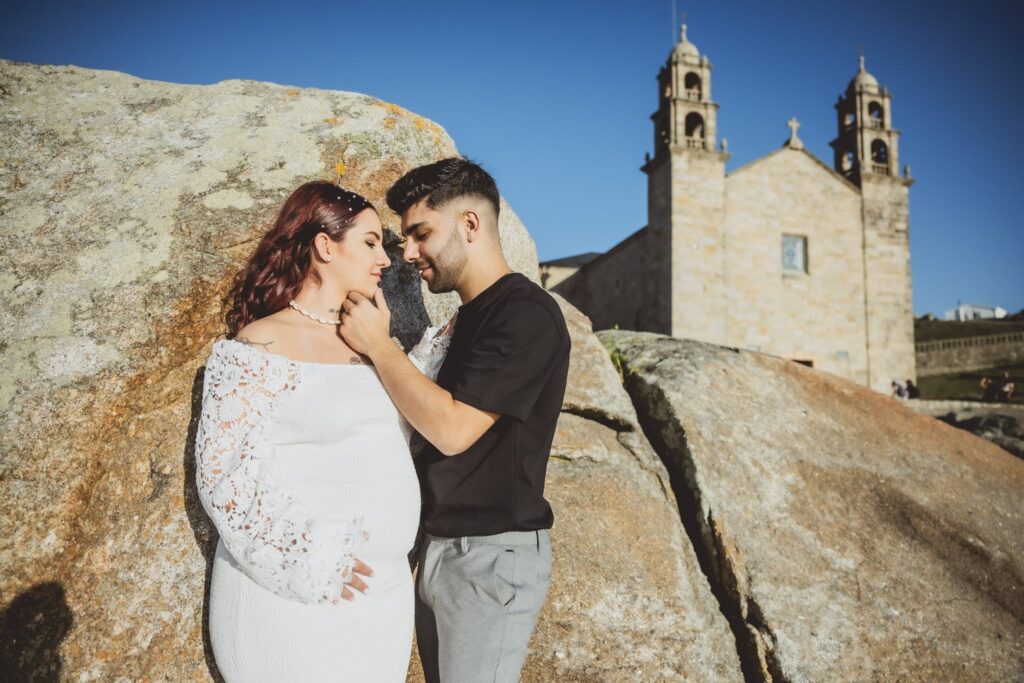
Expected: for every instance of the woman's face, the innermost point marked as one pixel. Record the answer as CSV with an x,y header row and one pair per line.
x,y
357,261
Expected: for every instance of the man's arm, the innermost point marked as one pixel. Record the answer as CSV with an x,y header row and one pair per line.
x,y
452,426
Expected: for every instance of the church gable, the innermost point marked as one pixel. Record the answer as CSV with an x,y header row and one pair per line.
x,y
793,234
788,159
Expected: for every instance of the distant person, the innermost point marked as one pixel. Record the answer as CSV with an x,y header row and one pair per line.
x,y
988,389
1006,388
898,391
912,390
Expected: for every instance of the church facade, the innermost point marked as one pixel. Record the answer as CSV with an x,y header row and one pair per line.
x,y
786,255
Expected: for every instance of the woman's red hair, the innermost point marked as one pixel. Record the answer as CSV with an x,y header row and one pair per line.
x,y
281,263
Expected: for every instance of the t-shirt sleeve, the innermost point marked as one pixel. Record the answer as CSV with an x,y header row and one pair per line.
x,y
511,359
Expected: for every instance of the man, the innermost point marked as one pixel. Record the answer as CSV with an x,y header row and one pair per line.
x,y
485,564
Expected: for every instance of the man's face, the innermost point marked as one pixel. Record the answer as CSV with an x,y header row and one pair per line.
x,y
433,243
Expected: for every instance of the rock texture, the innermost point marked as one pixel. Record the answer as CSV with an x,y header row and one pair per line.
x,y
847,537
1000,423
125,208
628,600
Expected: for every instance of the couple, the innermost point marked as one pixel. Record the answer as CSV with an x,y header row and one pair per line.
x,y
303,445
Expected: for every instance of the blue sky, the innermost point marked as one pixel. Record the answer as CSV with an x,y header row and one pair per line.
x,y
554,97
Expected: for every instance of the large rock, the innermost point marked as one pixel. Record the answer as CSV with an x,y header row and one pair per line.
x,y
850,538
1000,423
628,601
125,208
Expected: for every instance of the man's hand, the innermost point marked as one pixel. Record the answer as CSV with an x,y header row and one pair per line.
x,y
365,322
355,580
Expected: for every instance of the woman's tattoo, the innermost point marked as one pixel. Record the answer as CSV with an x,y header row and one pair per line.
x,y
355,360
250,342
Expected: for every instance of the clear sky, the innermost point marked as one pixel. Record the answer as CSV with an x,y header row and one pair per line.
x,y
554,97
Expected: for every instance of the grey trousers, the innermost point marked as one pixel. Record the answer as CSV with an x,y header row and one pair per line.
x,y
477,602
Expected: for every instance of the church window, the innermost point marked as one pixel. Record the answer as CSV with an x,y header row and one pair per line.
x,y
849,118
694,125
692,85
879,158
848,160
794,254
875,115
879,152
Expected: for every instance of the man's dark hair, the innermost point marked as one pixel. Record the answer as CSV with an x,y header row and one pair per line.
x,y
441,182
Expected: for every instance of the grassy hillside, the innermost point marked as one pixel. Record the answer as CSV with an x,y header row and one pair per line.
x,y
966,386
932,330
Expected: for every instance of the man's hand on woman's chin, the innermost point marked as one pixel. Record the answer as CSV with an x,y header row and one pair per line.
x,y
365,322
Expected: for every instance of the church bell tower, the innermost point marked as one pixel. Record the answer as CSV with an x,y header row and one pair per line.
x,y
686,115
685,203
867,144
867,154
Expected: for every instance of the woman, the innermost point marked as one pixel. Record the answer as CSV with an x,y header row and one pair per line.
x,y
303,462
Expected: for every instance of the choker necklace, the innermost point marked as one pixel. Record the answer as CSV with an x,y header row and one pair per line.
x,y
312,316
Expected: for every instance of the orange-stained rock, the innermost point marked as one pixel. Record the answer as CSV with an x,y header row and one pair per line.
x,y
126,206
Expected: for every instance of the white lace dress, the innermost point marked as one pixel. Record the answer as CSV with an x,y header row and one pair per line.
x,y
303,467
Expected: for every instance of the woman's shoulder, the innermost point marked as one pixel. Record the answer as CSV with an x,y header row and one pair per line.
x,y
263,333
260,341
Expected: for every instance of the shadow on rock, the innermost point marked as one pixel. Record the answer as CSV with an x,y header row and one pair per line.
x,y
32,628
202,528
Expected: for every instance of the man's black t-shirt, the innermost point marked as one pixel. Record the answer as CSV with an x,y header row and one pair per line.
x,y
509,354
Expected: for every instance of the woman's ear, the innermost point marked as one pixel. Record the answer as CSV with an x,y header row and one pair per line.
x,y
323,246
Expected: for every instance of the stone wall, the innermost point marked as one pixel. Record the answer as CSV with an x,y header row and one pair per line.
x,y
699,256
816,316
613,287
890,316
971,353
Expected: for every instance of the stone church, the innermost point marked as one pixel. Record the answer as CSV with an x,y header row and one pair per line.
x,y
786,255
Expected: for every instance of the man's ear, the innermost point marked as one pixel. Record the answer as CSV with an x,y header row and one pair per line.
x,y
471,224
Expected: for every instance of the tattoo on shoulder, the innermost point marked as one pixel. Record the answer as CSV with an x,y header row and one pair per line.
x,y
250,342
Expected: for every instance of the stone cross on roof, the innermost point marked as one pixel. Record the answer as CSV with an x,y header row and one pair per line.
x,y
794,141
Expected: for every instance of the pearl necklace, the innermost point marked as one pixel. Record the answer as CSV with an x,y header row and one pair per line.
x,y
312,316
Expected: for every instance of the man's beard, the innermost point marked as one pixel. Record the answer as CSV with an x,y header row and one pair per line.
x,y
448,266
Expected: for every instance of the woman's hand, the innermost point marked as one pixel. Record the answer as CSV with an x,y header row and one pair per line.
x,y
355,580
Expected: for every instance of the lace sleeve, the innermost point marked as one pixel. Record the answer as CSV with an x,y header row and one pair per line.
x,y
432,349
428,355
273,539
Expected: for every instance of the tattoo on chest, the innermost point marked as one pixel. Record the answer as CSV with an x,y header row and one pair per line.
x,y
250,342
355,360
